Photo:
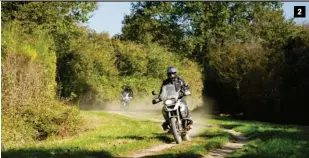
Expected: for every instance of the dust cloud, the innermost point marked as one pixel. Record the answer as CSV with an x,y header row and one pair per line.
x,y
200,114
138,104
142,108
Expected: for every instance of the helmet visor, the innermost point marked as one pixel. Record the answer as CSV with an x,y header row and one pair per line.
x,y
171,75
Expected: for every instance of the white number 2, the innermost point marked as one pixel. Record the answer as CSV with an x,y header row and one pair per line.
x,y
299,11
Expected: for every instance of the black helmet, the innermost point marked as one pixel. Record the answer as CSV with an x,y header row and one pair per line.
x,y
127,86
171,72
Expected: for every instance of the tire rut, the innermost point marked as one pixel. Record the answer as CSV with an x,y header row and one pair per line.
x,y
229,147
221,152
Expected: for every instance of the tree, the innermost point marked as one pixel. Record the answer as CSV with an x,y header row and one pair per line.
x,y
59,19
191,29
53,16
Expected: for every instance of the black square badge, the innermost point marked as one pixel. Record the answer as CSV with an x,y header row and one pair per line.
x,y
299,11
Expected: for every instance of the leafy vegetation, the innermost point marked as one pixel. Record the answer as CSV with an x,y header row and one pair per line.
x,y
254,60
193,29
47,56
98,68
246,56
30,108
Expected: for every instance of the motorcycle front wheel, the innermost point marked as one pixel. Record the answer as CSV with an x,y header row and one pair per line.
x,y
124,106
175,130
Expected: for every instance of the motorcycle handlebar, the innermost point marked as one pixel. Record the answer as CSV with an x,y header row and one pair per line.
x,y
155,101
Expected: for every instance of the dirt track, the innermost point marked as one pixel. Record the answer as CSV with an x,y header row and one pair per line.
x,y
197,128
229,147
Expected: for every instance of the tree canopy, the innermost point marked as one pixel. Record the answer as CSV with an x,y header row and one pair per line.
x,y
243,47
193,28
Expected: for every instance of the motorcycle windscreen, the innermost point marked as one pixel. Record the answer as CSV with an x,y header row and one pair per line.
x,y
168,92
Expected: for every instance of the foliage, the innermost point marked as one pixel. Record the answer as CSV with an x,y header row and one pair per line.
x,y
254,60
243,54
56,17
42,42
30,110
98,68
59,19
294,77
242,64
30,36
192,29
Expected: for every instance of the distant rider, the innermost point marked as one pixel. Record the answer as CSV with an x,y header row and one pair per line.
x,y
127,90
179,84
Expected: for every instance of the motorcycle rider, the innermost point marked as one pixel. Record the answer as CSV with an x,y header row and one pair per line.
x,y
127,89
179,84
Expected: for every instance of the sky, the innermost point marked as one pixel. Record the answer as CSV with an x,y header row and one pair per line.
x,y
108,17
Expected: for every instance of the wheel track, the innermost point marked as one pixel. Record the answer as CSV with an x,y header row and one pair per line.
x,y
221,152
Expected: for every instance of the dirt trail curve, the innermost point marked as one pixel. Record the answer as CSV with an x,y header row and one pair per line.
x,y
216,153
229,147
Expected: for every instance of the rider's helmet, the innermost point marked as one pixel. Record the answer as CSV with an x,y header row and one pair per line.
x,y
171,73
127,87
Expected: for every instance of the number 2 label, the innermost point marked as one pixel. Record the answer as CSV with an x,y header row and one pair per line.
x,y
299,11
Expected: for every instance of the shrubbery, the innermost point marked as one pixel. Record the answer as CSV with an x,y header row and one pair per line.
x,y
250,60
44,57
30,110
255,60
98,68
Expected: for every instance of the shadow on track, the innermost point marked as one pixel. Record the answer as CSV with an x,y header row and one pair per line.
x,y
59,153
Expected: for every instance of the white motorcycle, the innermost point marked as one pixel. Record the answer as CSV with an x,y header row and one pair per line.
x,y
173,106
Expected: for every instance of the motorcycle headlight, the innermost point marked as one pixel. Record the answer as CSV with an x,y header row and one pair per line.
x,y
169,102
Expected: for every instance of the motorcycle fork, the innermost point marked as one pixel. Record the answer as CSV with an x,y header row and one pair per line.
x,y
177,117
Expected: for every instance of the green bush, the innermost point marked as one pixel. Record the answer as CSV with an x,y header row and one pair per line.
x,y
30,110
98,67
244,74
260,80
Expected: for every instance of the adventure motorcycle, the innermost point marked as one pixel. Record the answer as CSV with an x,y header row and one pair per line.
x,y
125,101
173,106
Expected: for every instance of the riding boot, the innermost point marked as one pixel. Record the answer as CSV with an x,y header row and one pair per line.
x,y
186,114
165,124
